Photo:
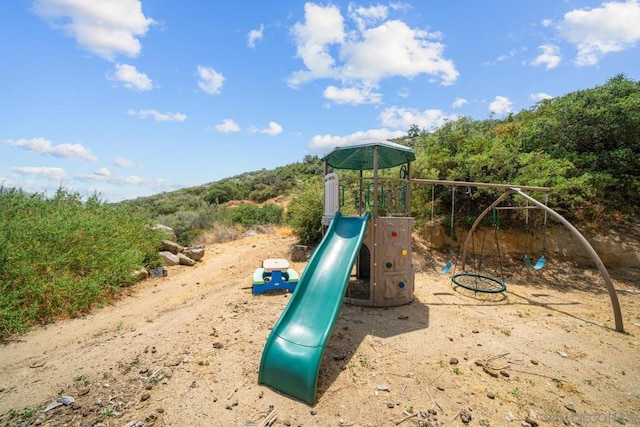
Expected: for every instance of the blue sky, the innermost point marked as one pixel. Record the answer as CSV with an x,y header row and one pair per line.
x,y
130,98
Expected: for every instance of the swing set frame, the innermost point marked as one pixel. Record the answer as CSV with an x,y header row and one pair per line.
x,y
510,190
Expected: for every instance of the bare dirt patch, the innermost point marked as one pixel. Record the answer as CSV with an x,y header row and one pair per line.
x,y
185,350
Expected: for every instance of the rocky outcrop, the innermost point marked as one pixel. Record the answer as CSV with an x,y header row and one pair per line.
x,y
171,253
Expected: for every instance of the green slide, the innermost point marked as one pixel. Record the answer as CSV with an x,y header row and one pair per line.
x,y
291,357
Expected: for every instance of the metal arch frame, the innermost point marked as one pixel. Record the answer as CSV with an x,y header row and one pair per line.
x,y
594,255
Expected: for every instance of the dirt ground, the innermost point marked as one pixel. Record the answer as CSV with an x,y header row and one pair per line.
x,y
184,351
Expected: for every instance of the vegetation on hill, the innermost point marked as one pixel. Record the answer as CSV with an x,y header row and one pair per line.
x,y
585,146
61,256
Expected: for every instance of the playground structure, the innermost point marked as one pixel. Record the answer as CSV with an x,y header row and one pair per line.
x,y
377,242
274,275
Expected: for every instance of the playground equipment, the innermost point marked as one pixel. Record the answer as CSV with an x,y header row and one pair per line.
x,y
449,263
478,281
292,354
275,274
380,248
542,260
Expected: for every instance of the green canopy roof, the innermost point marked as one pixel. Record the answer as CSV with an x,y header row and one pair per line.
x,y
360,156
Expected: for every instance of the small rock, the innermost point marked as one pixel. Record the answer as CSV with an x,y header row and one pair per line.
x,y
465,416
570,408
52,405
505,374
145,397
261,394
440,388
479,363
453,361
218,345
84,391
490,372
403,317
451,339
491,395
534,362
286,422
509,416
432,412
391,405
475,331
383,387
66,400
562,353
175,362
531,422
313,412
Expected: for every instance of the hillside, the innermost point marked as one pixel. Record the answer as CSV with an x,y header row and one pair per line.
x,y
584,145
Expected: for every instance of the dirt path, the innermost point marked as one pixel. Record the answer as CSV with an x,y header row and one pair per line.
x,y
185,350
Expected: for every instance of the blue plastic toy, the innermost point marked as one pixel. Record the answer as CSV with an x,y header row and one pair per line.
x,y
275,274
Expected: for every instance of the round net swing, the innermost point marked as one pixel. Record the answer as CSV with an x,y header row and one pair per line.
x,y
479,282
476,281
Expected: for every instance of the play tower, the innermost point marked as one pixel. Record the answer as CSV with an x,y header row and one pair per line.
x,y
384,273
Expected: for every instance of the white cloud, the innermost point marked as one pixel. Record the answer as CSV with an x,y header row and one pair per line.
x,y
366,16
158,116
547,22
323,27
44,146
352,95
550,56
364,55
54,174
459,102
103,172
326,143
612,27
255,35
131,78
403,118
106,28
501,105
227,126
112,179
121,162
273,129
210,81
537,97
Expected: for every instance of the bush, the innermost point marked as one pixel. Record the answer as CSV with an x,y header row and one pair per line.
x,y
251,215
60,256
305,211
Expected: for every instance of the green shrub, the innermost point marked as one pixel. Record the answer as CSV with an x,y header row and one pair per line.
x,y
60,256
251,215
305,211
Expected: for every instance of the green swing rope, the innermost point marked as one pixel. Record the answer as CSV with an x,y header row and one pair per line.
x,y
449,263
542,260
